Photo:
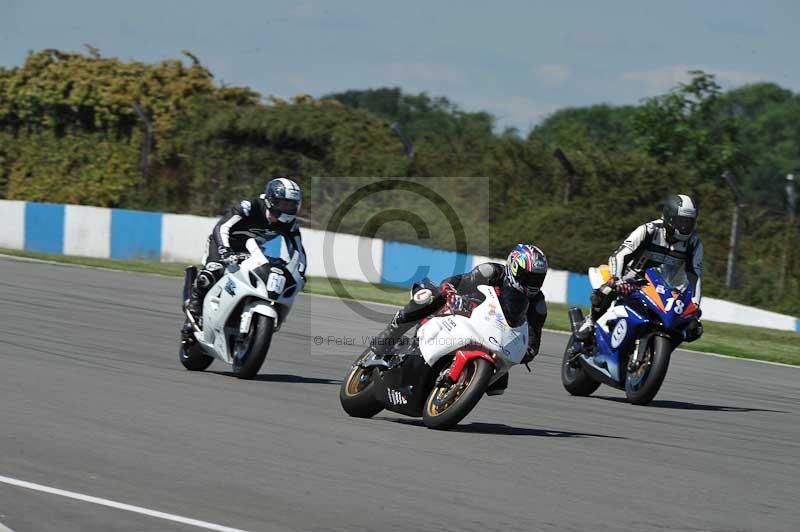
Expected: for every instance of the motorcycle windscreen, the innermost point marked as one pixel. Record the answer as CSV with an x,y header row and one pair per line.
x,y
671,303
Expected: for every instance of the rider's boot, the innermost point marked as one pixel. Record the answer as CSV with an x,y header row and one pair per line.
x,y
195,304
584,332
187,331
384,343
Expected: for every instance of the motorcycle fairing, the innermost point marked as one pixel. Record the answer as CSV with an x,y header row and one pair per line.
x,y
672,307
613,335
618,329
486,327
404,388
236,292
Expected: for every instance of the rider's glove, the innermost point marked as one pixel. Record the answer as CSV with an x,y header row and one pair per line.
x,y
623,288
448,291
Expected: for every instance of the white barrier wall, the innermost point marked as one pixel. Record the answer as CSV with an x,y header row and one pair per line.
x,y
87,231
183,237
12,222
350,257
727,312
121,233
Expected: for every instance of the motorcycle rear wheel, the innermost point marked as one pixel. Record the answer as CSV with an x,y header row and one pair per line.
x,y
575,379
642,385
193,357
357,393
472,384
254,347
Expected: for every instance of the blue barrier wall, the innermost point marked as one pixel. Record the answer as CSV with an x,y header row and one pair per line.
x,y
405,263
578,289
126,234
135,234
44,227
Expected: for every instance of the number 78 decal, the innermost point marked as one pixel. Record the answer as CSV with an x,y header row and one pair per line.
x,y
674,304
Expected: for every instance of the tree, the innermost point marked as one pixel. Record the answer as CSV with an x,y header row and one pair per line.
x,y
685,125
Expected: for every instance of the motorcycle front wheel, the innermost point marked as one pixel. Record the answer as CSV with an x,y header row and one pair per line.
x,y
357,393
642,384
447,405
249,352
193,357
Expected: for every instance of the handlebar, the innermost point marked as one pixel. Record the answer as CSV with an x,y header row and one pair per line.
x,y
236,258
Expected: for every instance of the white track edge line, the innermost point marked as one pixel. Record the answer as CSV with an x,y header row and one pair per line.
x,y
719,355
4,528
118,505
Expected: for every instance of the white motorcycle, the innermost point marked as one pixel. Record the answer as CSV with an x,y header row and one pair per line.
x,y
242,311
444,371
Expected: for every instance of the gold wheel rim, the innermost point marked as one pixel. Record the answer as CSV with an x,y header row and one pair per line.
x,y
463,383
354,384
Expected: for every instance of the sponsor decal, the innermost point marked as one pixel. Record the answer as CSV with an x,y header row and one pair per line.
x,y
660,289
213,266
448,324
246,207
273,269
620,331
230,287
396,398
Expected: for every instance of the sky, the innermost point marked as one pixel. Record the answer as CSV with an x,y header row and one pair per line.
x,y
519,60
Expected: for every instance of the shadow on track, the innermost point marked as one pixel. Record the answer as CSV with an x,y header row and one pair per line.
x,y
506,430
280,377
682,405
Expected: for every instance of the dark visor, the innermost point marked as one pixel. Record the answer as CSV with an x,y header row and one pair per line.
x,y
530,279
286,205
684,224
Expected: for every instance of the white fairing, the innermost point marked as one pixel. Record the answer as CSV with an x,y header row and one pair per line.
x,y
486,327
224,297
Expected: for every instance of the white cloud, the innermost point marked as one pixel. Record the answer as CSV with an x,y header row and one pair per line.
x,y
659,80
552,76
519,111
422,72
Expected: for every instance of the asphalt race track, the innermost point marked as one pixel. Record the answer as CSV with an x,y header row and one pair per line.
x,y
94,401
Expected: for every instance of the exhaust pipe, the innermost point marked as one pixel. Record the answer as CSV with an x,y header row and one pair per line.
x,y
575,318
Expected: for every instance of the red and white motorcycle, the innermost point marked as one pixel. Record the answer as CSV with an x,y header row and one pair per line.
x,y
443,372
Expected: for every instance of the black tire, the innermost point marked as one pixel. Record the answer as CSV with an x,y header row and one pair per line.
x,y
642,386
357,392
575,379
193,357
477,373
254,348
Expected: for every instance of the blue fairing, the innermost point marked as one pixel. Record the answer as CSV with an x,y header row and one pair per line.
x,y
620,334
667,307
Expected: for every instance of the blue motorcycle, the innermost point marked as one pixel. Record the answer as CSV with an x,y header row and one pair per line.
x,y
632,341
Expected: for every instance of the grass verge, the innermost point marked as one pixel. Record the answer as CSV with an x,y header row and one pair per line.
x,y
727,339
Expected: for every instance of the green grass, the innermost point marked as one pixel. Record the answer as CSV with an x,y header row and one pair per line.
x,y
723,338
